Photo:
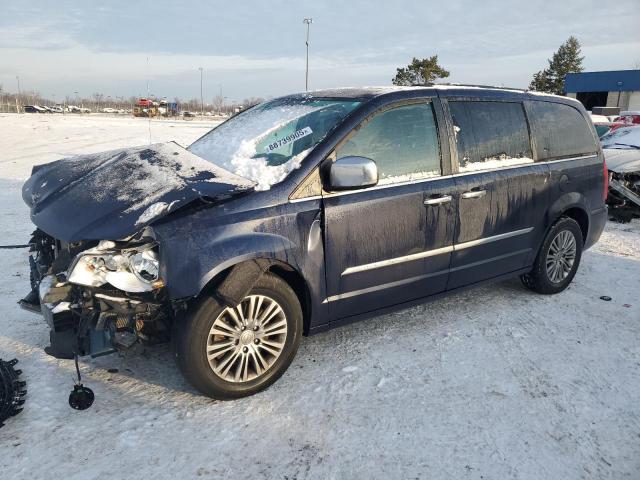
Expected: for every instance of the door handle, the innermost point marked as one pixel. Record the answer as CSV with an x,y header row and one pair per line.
x,y
474,194
438,200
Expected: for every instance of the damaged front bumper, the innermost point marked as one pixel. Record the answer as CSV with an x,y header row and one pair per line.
x,y
90,320
624,195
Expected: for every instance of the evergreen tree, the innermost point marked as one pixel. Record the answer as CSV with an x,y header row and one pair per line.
x,y
566,60
420,72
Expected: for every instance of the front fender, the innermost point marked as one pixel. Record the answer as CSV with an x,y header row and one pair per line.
x,y
188,270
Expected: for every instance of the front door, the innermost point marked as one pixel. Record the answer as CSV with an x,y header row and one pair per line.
x,y
391,243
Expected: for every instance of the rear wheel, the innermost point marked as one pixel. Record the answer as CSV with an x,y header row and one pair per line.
x,y
558,259
235,352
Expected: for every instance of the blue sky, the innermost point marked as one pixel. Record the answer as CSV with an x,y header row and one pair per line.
x,y
256,48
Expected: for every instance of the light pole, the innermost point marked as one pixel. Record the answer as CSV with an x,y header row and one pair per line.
x,y
619,90
308,21
201,97
18,99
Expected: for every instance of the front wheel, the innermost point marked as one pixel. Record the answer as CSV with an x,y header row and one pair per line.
x,y
235,352
558,258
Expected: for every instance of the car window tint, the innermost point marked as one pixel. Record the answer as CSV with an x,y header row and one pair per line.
x,y
403,142
560,131
490,134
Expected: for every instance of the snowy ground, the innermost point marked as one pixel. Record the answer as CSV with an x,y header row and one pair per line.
x,y
496,383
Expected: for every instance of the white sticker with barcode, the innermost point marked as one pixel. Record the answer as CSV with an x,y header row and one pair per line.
x,y
286,140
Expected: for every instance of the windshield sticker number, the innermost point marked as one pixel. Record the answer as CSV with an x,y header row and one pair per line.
x,y
281,142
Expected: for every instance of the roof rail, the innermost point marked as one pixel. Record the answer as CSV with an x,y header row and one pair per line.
x,y
478,86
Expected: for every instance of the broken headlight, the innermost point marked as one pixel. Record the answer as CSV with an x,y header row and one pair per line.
x,y
134,269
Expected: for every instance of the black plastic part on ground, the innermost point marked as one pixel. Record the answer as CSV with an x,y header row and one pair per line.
x,y
12,390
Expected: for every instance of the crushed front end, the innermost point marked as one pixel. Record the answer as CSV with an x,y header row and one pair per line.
x,y
98,297
624,195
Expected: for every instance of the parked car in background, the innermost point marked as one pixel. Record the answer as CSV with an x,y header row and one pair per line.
x,y
188,114
307,212
34,109
628,118
109,110
604,124
622,153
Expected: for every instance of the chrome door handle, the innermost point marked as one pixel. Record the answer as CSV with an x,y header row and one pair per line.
x,y
438,200
474,194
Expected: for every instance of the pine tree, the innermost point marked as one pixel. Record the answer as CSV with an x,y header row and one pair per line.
x,y
420,72
566,60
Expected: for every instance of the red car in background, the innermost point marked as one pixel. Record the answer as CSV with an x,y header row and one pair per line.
x,y
628,118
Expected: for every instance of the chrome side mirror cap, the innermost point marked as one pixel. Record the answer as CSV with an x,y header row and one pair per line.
x,y
350,173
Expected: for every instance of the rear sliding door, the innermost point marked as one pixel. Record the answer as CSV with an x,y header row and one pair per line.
x,y
501,192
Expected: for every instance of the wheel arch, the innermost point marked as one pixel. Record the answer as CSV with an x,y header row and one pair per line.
x,y
581,217
570,205
288,273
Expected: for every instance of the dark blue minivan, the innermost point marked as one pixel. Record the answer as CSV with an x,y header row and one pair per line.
x,y
305,212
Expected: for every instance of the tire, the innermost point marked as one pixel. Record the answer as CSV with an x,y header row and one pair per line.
x,y
539,279
238,354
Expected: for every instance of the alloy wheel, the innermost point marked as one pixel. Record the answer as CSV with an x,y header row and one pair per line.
x,y
246,341
561,256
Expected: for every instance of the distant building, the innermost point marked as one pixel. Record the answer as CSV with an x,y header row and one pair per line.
x,y
616,88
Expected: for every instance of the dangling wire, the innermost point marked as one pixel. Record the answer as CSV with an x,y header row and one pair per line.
x,y
75,358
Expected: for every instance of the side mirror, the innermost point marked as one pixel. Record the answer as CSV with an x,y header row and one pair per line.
x,y
349,173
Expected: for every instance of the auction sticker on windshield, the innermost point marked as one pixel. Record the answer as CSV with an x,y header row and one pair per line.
x,y
281,142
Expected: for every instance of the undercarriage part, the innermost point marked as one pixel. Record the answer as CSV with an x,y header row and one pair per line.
x,y
12,390
81,397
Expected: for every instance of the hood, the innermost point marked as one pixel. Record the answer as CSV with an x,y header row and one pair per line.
x,y
114,194
621,160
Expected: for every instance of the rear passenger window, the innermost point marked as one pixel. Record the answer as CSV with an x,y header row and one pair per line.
x,y
490,135
559,131
403,141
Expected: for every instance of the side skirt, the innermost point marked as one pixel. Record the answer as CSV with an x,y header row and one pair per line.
x,y
412,303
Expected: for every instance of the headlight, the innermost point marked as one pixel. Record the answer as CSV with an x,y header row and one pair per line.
x,y
132,270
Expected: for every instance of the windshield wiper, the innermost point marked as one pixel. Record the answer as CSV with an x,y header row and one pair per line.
x,y
627,145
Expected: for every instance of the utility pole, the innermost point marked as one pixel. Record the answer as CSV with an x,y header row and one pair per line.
x,y
201,97
308,21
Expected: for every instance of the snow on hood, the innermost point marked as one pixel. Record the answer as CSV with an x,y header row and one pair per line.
x,y
622,160
113,194
623,135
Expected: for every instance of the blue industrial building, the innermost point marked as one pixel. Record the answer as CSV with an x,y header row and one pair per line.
x,y
615,88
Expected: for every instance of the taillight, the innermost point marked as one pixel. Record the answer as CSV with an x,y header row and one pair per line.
x,y
605,174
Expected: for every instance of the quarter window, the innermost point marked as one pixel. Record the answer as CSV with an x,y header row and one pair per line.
x,y
403,141
559,131
490,135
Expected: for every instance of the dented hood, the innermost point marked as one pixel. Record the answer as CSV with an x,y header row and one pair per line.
x,y
114,194
622,160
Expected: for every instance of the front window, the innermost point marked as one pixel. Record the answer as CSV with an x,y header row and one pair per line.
x,y
267,142
403,141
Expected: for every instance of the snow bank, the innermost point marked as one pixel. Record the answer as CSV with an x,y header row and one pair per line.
x,y
496,382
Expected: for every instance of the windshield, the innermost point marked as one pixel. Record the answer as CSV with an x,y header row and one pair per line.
x,y
267,142
623,137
